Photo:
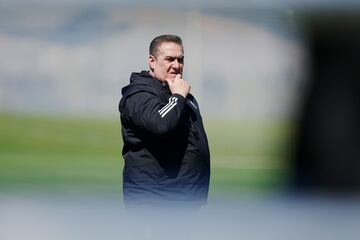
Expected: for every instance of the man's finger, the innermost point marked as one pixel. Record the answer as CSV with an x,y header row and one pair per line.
x,y
178,76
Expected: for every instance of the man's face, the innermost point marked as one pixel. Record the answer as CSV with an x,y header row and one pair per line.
x,y
169,61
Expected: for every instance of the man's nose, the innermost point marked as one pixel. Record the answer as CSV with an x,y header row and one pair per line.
x,y
176,64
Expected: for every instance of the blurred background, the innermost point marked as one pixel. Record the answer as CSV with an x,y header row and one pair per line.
x,y
63,66
259,69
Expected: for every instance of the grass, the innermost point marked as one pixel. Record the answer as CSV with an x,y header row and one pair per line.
x,y
81,155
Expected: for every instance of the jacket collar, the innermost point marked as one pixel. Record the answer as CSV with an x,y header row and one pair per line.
x,y
147,76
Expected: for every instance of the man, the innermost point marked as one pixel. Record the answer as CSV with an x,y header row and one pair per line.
x,y
165,148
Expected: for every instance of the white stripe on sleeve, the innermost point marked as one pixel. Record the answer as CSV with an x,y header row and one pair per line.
x,y
171,107
171,101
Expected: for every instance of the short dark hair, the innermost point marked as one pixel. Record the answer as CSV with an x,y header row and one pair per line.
x,y
156,42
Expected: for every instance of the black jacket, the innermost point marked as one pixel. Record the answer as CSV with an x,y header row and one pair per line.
x,y
165,148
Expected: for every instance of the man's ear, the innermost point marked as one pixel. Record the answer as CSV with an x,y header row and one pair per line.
x,y
152,62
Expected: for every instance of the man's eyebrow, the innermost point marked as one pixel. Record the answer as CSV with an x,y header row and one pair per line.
x,y
174,56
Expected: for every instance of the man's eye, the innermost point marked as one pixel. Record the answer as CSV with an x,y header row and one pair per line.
x,y
180,60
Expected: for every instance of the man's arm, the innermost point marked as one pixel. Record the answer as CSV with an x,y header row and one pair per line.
x,y
147,112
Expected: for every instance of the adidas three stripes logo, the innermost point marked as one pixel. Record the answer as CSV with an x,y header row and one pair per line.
x,y
172,103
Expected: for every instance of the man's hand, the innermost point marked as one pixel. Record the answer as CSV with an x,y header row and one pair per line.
x,y
179,86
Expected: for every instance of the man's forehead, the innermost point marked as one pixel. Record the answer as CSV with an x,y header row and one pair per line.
x,y
170,48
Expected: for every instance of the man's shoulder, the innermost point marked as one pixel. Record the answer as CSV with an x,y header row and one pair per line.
x,y
142,87
139,82
134,89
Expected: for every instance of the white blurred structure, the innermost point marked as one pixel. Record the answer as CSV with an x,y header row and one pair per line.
x,y
241,62
99,218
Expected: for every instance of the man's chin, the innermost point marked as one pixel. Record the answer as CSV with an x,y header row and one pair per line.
x,y
171,77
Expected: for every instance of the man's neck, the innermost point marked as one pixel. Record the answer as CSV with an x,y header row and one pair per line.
x,y
151,73
164,83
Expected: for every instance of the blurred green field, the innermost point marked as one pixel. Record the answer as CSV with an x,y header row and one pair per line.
x,y
80,155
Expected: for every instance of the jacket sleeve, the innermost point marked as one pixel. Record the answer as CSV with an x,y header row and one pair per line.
x,y
150,114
